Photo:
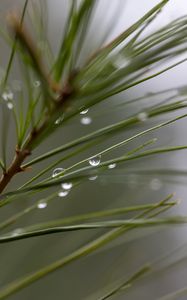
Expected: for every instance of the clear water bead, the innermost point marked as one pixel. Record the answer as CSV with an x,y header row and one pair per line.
x,y
66,185
37,83
83,112
120,61
95,160
112,166
57,171
92,178
63,193
42,205
17,231
86,120
59,120
7,95
143,116
10,105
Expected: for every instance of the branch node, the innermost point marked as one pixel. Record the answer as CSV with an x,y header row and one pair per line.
x,y
24,169
17,150
26,152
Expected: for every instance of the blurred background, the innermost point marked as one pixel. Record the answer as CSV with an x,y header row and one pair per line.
x,y
81,279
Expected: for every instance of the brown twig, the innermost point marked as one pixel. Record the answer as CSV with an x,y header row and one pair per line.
x,y
14,168
64,95
23,36
21,154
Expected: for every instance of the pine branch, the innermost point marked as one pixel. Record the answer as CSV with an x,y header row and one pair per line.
x,y
64,94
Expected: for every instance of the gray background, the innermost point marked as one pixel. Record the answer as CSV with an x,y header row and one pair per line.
x,y
86,276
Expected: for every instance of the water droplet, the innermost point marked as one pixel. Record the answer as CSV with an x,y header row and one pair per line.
x,y
42,204
63,193
143,116
37,83
66,185
86,120
120,61
83,112
17,231
155,184
10,105
57,171
93,177
95,160
7,95
112,166
59,120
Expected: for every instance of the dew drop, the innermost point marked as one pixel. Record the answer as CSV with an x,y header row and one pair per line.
x,y
37,83
57,171
112,166
120,61
10,105
63,193
7,95
86,120
42,205
4,96
66,185
143,116
59,120
83,112
17,231
95,160
92,178
155,184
